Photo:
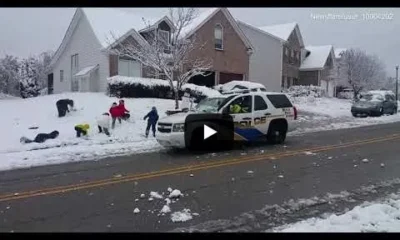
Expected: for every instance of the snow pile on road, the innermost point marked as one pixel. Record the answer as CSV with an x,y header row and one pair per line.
x,y
41,112
181,216
175,194
156,195
382,216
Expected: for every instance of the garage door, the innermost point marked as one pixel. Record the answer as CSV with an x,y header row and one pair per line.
x,y
129,68
227,77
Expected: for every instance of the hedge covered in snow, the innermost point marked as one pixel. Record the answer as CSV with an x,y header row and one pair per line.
x,y
136,87
305,91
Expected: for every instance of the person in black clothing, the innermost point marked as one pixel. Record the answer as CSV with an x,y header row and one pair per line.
x,y
62,106
41,137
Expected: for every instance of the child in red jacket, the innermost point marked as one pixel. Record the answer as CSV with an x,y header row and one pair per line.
x,y
124,113
115,113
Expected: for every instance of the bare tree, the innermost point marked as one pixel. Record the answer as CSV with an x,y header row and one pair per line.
x,y
360,71
172,57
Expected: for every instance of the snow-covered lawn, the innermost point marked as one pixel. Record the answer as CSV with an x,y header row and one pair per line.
x,y
382,216
21,114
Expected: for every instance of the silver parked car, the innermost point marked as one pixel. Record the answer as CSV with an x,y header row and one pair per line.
x,y
375,103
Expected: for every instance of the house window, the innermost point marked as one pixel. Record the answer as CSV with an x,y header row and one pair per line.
x,y
74,63
61,75
163,36
218,36
128,68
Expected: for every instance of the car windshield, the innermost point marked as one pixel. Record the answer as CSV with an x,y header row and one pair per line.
x,y
209,104
371,98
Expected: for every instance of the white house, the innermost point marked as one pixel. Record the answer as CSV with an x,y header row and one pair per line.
x,y
82,62
317,67
266,60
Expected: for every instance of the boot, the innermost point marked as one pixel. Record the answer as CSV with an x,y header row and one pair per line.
x,y
147,133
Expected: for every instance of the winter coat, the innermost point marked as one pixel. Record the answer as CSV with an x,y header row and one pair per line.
x,y
152,116
115,112
104,121
64,103
122,109
41,137
83,127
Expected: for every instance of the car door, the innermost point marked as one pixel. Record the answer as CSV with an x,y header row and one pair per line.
x,y
261,114
388,104
243,120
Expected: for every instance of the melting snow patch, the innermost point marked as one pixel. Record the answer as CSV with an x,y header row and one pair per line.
x,y
355,165
168,201
118,175
136,200
250,172
136,210
169,189
382,165
191,175
175,194
165,209
382,216
142,195
330,158
280,176
151,199
365,160
156,195
181,216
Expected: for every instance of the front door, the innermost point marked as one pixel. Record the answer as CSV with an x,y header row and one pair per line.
x,y
50,83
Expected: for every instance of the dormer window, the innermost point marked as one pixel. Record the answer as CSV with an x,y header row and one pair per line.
x,y
163,36
218,37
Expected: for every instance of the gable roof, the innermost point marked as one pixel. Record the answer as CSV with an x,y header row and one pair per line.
x,y
107,24
206,15
339,51
317,58
283,31
259,30
105,21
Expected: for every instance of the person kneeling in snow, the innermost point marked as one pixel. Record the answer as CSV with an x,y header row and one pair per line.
x,y
152,121
81,129
40,138
62,106
114,111
103,123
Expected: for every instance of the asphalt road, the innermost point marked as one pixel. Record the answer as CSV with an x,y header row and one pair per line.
x,y
228,190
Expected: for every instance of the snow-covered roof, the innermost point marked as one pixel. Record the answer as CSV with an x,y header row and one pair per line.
x,y
107,22
317,58
282,31
86,70
338,51
202,16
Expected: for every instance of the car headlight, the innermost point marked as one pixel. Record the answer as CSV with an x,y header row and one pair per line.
x,y
179,127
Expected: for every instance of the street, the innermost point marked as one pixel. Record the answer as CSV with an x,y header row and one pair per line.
x,y
227,191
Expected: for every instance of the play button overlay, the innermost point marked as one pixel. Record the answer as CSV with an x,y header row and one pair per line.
x,y
208,132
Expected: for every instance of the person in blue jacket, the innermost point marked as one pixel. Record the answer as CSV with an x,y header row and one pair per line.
x,y
152,121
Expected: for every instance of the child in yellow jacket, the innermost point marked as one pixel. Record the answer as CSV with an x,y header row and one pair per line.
x,y
81,129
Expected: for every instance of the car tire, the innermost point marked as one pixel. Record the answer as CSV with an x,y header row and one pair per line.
x,y
354,114
276,134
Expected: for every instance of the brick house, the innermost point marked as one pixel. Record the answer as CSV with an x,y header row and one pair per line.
x,y
224,44
292,51
316,68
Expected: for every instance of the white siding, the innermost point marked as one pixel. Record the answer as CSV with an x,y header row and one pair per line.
x,y
83,42
266,60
